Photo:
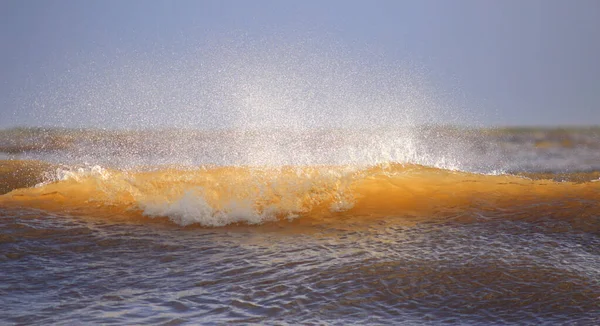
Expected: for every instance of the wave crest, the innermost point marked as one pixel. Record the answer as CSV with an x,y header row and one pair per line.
x,y
219,196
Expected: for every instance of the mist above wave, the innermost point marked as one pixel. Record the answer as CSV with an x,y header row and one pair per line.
x,y
267,101
271,102
243,83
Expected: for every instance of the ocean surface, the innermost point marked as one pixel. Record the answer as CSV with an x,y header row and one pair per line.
x,y
409,225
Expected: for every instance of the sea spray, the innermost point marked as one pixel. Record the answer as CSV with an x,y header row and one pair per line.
x,y
257,102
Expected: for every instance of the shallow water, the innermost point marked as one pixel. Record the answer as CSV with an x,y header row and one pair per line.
x,y
60,269
402,242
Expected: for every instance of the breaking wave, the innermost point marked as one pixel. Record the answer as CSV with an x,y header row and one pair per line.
x,y
214,196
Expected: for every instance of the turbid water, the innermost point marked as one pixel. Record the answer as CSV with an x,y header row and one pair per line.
x,y
328,226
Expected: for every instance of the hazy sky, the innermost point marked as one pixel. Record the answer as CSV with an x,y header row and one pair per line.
x,y
513,62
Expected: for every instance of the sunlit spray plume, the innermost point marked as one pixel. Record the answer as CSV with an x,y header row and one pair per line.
x,y
259,103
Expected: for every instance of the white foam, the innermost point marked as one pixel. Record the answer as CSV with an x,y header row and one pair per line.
x,y
263,198
75,173
192,208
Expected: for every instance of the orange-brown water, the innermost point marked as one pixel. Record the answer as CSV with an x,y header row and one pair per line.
x,y
513,237
218,196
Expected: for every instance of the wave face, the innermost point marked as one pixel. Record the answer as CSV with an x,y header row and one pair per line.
x,y
218,196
